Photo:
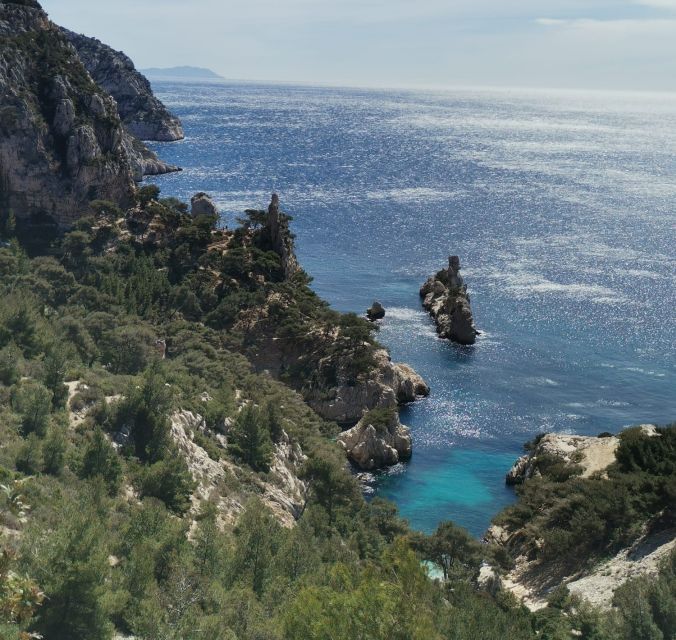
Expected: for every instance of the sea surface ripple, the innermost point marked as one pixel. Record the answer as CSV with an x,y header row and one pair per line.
x,y
561,206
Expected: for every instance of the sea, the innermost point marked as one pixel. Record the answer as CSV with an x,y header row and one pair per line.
x,y
561,206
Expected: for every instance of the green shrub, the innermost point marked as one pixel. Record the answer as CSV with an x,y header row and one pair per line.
x,y
168,480
33,402
100,459
380,418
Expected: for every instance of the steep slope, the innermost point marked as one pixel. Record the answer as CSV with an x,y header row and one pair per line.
x,y
592,513
61,140
141,112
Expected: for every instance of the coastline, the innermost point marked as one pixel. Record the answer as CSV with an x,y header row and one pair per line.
x,y
473,408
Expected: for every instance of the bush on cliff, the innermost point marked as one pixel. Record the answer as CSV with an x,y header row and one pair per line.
x,y
572,519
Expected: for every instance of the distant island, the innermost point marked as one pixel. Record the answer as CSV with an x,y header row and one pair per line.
x,y
183,73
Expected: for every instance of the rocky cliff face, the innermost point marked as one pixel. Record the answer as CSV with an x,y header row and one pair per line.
x,y
377,440
282,491
445,297
389,385
141,112
62,143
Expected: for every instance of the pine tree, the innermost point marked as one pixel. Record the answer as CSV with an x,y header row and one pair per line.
x,y
274,420
72,570
33,402
249,439
100,459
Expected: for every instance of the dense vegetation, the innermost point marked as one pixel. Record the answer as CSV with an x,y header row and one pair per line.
x,y
101,526
573,520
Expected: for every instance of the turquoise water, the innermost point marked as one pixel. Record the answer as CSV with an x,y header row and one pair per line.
x,y
561,207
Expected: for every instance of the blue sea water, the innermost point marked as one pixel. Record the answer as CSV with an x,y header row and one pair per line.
x,y
562,207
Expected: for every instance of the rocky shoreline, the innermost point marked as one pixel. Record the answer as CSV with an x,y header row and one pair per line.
x,y
445,297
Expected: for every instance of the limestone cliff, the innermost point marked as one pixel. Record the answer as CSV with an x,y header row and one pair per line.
x,y
62,143
388,385
377,440
141,112
445,297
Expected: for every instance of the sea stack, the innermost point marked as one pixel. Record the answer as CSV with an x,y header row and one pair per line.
x,y
445,297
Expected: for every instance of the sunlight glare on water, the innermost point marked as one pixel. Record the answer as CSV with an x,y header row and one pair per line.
x,y
561,206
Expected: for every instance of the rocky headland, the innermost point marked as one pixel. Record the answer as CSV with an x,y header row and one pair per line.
x,y
563,479
589,453
140,110
62,141
286,331
445,297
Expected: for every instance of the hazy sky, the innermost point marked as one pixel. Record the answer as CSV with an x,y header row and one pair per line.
x,y
620,44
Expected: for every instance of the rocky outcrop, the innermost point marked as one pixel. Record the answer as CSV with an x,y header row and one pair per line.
x,y
141,112
144,161
281,239
202,205
282,491
407,383
62,143
377,440
589,453
390,385
375,312
445,297
533,576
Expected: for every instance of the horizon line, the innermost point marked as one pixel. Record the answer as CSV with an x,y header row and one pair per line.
x,y
423,87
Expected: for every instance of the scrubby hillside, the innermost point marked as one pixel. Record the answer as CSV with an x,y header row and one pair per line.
x,y
158,483
592,513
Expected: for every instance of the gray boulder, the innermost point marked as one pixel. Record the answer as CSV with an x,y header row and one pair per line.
x,y
375,312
